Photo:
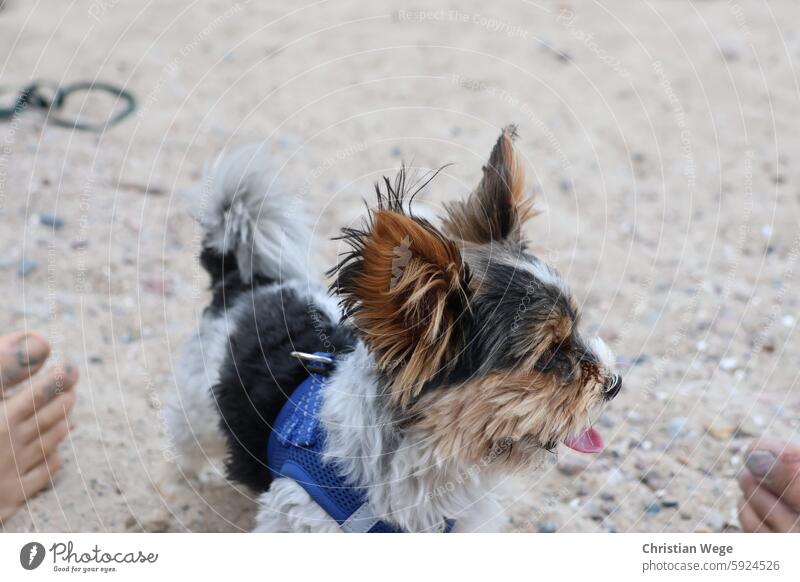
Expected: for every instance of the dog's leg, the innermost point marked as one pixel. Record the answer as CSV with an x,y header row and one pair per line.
x,y
192,417
286,507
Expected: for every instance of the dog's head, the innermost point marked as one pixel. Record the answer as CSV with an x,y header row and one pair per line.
x,y
476,340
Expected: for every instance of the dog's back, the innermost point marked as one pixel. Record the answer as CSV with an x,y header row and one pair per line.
x,y
237,373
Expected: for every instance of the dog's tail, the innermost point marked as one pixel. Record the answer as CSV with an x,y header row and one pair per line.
x,y
252,226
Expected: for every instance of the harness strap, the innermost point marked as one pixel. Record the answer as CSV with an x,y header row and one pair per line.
x,y
296,451
362,520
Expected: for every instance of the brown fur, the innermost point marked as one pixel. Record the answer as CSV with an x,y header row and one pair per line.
x,y
409,312
546,335
525,410
498,207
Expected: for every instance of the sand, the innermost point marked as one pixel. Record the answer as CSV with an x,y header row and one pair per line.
x,y
660,138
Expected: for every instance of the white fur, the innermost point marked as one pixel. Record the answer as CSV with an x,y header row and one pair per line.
x,y
192,417
546,274
243,209
286,507
603,353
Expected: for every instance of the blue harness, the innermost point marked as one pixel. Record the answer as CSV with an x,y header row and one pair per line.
x,y
295,450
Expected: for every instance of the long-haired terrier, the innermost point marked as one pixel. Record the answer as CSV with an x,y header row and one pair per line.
x,y
448,357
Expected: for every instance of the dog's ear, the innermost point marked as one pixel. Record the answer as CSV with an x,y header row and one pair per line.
x,y
407,290
498,207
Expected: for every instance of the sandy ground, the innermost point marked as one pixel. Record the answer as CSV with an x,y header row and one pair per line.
x,y
661,138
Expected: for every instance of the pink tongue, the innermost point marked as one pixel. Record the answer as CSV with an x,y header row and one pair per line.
x,y
589,441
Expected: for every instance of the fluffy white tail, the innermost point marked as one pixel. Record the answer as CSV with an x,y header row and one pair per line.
x,y
244,211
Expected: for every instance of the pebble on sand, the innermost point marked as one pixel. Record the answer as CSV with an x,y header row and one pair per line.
x,y
26,266
721,432
147,525
653,508
547,527
677,427
51,220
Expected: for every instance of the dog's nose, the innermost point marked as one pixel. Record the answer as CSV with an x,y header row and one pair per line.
x,y
613,386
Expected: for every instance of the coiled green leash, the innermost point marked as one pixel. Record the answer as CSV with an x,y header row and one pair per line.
x,y
36,96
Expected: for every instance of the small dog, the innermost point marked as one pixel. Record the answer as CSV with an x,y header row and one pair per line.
x,y
458,359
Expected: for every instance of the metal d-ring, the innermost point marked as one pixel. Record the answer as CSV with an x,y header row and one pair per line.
x,y
316,358
315,363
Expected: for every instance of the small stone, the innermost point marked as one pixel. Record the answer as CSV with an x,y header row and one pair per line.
x,y
721,432
747,429
26,266
677,427
51,220
594,512
669,504
147,525
79,244
571,466
653,479
716,521
547,527
653,508
728,364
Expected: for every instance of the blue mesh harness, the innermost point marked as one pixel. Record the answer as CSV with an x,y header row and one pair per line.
x,y
295,451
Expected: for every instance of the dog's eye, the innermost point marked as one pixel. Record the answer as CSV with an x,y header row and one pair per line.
x,y
548,361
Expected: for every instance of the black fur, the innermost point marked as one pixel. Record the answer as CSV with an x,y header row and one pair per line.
x,y
226,283
258,374
510,302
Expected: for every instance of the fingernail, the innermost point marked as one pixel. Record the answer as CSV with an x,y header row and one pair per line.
x,y
31,350
759,463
